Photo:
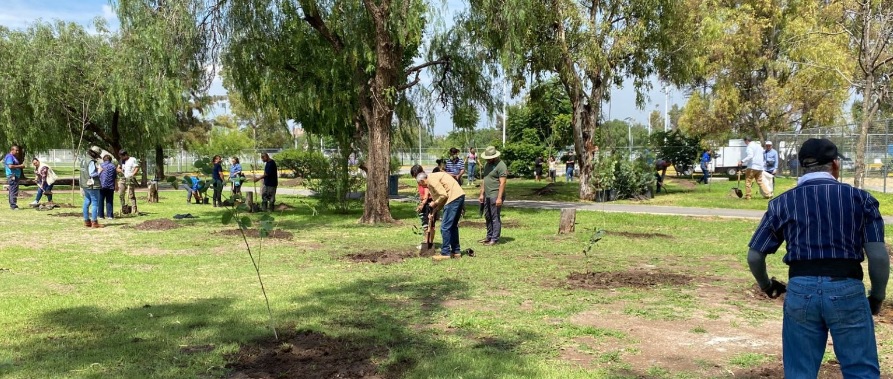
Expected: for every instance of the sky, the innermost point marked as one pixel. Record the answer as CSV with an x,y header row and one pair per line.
x,y
19,14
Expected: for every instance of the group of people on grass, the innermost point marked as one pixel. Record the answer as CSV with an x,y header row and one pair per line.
x,y
441,190
101,177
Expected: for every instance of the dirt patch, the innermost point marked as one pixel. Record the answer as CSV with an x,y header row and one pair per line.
x,y
641,235
283,207
68,214
312,355
158,224
775,370
254,233
384,257
632,278
544,191
685,184
483,223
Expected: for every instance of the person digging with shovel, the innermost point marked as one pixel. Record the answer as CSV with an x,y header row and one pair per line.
x,y
448,195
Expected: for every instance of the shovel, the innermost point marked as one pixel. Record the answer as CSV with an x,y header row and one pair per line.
x,y
737,188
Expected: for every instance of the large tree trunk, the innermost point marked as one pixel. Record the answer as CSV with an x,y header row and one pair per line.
x,y
584,131
378,110
159,163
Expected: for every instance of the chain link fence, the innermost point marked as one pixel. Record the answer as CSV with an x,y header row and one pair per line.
x,y
878,151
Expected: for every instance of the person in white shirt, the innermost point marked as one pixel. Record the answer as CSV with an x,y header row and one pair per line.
x,y
130,166
755,165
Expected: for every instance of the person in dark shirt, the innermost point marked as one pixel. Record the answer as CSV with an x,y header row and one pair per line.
x,y
828,229
217,181
271,181
569,168
538,168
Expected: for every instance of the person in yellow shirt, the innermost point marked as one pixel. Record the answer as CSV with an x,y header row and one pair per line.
x,y
447,194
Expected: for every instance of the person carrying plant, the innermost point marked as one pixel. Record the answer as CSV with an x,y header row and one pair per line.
x,y
492,194
829,228
448,195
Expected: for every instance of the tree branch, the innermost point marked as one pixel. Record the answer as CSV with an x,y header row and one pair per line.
x,y
314,19
418,70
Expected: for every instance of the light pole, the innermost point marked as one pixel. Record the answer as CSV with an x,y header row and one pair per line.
x,y
629,133
666,107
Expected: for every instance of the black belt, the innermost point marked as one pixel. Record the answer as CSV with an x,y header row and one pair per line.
x,y
835,268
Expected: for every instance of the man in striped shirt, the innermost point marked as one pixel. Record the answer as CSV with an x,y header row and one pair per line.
x,y
455,166
830,227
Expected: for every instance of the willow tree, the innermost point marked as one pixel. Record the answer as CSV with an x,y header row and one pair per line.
x,y
590,45
761,69
61,84
343,67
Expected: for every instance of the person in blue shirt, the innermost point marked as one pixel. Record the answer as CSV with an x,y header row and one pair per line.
x,y
705,161
829,228
193,188
14,174
771,158
235,175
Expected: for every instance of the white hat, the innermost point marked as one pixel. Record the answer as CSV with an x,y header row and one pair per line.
x,y
768,143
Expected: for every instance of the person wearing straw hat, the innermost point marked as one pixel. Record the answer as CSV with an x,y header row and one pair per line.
x,y
492,194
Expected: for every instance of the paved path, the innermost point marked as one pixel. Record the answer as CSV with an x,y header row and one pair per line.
x,y
614,208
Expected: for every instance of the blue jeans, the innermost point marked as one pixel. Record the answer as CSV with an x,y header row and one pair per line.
x,y
706,171
471,172
449,227
569,175
91,204
41,190
815,305
107,202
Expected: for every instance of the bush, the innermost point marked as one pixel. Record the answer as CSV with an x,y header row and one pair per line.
x,y
304,164
632,178
334,184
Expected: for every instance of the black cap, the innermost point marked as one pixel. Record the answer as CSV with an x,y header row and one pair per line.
x,y
816,152
454,150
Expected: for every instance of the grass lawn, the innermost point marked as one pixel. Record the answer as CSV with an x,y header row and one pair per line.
x,y
670,298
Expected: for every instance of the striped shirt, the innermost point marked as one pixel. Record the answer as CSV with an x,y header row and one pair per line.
x,y
455,167
821,218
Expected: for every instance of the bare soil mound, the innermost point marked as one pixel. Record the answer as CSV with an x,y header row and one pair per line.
x,y
384,257
307,354
633,278
641,235
158,224
254,233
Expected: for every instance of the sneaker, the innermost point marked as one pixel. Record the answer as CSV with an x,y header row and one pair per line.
x,y
440,257
34,203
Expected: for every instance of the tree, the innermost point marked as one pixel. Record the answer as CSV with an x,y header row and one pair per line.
x,y
758,72
61,83
589,46
337,67
868,27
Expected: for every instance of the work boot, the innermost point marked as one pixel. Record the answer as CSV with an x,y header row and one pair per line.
x,y
95,224
87,223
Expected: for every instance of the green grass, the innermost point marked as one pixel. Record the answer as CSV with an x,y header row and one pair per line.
x,y
121,302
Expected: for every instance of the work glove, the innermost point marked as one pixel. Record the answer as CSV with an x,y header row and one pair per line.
x,y
875,305
775,288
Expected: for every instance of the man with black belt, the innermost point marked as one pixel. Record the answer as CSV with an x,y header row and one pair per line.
x,y
830,227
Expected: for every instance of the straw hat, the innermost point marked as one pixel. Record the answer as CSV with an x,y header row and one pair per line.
x,y
490,153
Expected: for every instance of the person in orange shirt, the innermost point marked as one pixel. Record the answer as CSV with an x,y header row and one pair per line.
x,y
447,194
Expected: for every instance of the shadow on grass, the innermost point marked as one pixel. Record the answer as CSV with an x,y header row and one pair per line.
x,y
411,322
151,340
403,321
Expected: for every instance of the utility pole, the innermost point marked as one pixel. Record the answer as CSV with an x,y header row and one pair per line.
x,y
419,160
666,107
505,116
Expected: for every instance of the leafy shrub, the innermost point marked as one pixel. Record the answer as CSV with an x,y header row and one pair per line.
x,y
334,184
632,178
521,155
304,164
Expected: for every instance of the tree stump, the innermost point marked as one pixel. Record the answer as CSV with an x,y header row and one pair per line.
x,y
568,221
153,192
249,201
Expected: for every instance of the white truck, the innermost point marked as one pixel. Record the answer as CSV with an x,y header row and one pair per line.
x,y
726,158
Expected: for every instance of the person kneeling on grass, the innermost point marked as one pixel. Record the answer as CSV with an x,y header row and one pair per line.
x,y
193,188
448,195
